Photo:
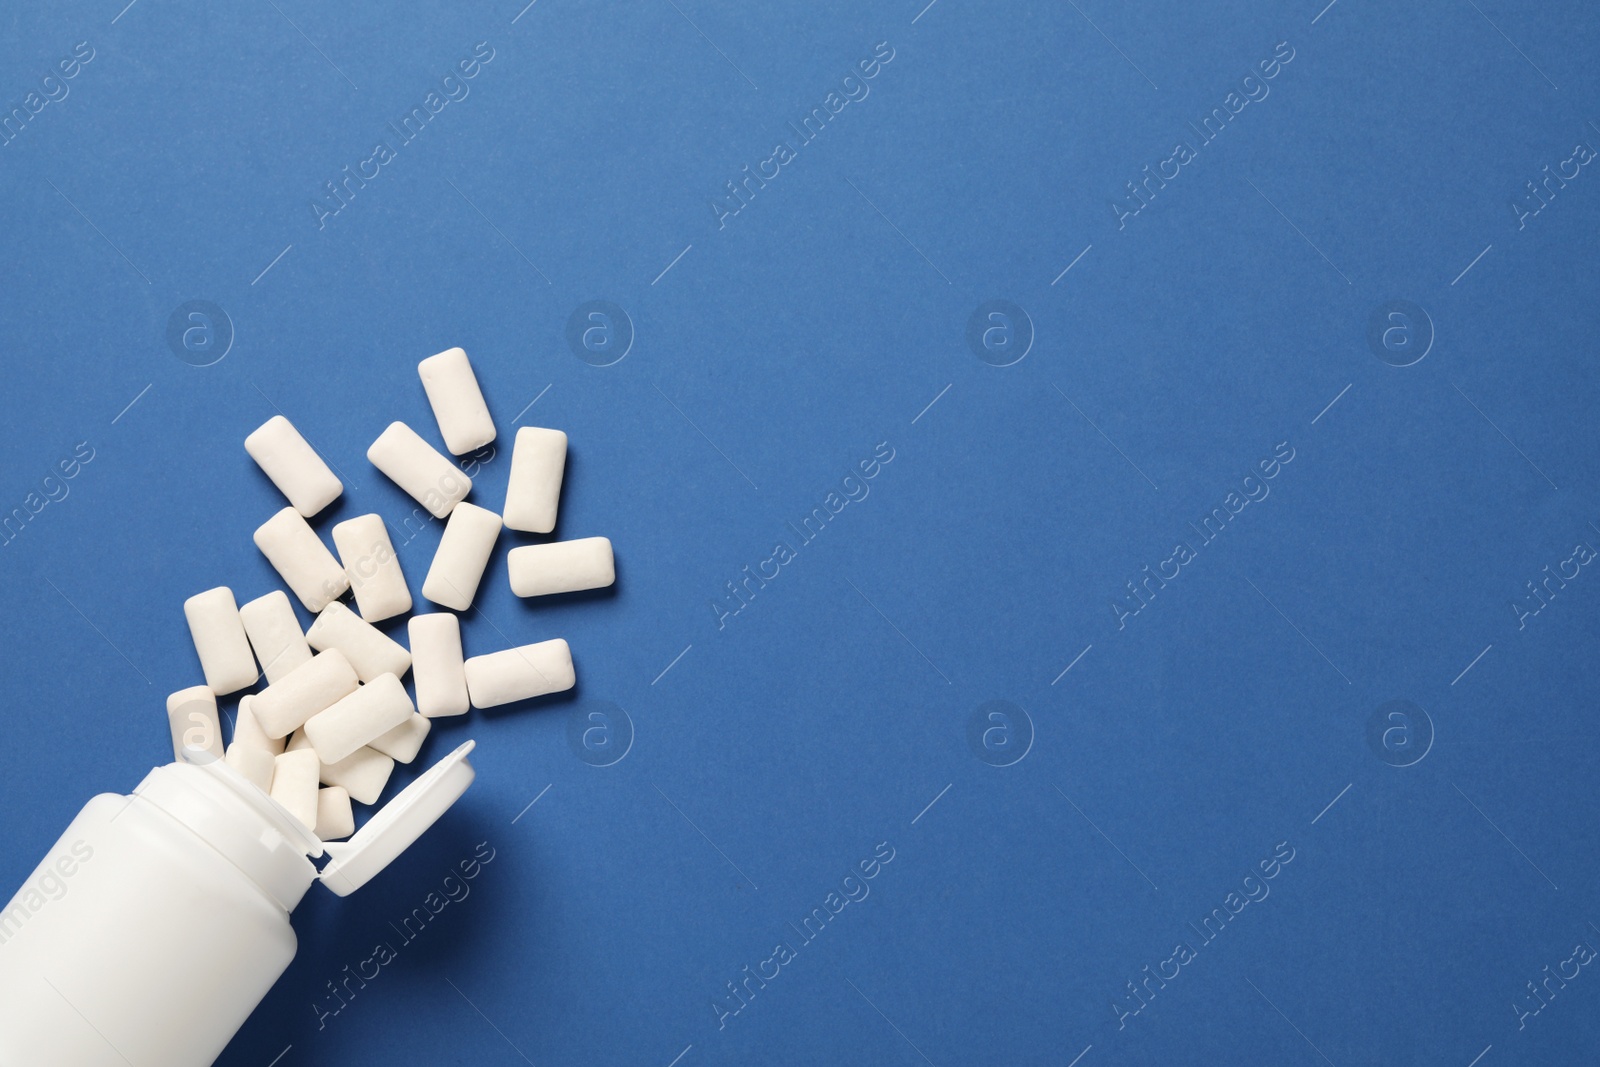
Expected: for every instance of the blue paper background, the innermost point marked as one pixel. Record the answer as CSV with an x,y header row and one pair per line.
x,y
770,356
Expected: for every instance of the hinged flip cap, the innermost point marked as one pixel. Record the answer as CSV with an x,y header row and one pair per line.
x,y
397,824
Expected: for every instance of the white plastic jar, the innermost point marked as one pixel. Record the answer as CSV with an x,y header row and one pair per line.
x,y
158,921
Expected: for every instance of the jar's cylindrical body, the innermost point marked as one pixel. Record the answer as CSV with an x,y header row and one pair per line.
x,y
134,943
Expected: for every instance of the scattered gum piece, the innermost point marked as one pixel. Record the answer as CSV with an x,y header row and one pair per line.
x,y
438,668
372,567
335,820
425,474
247,731
363,774
561,567
274,632
255,765
220,640
192,718
315,685
368,713
293,465
462,556
519,673
404,742
298,554
371,652
538,460
294,784
457,401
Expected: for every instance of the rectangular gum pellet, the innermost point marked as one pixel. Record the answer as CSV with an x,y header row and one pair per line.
x,y
404,742
314,686
335,820
247,731
561,566
274,632
538,460
363,774
298,554
519,673
457,401
370,651
462,556
293,465
368,713
255,765
220,640
294,784
192,718
420,469
438,668
372,567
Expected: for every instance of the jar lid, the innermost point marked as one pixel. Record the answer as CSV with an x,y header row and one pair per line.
x,y
354,863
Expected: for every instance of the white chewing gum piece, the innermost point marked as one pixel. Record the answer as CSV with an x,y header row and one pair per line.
x,y
294,784
519,673
457,401
220,640
247,731
538,460
404,742
274,632
370,651
372,567
293,465
192,718
255,765
335,820
462,557
561,567
425,474
363,774
299,556
367,714
438,669
314,686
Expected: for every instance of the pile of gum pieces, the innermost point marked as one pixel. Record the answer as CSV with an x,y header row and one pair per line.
x,y
335,714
